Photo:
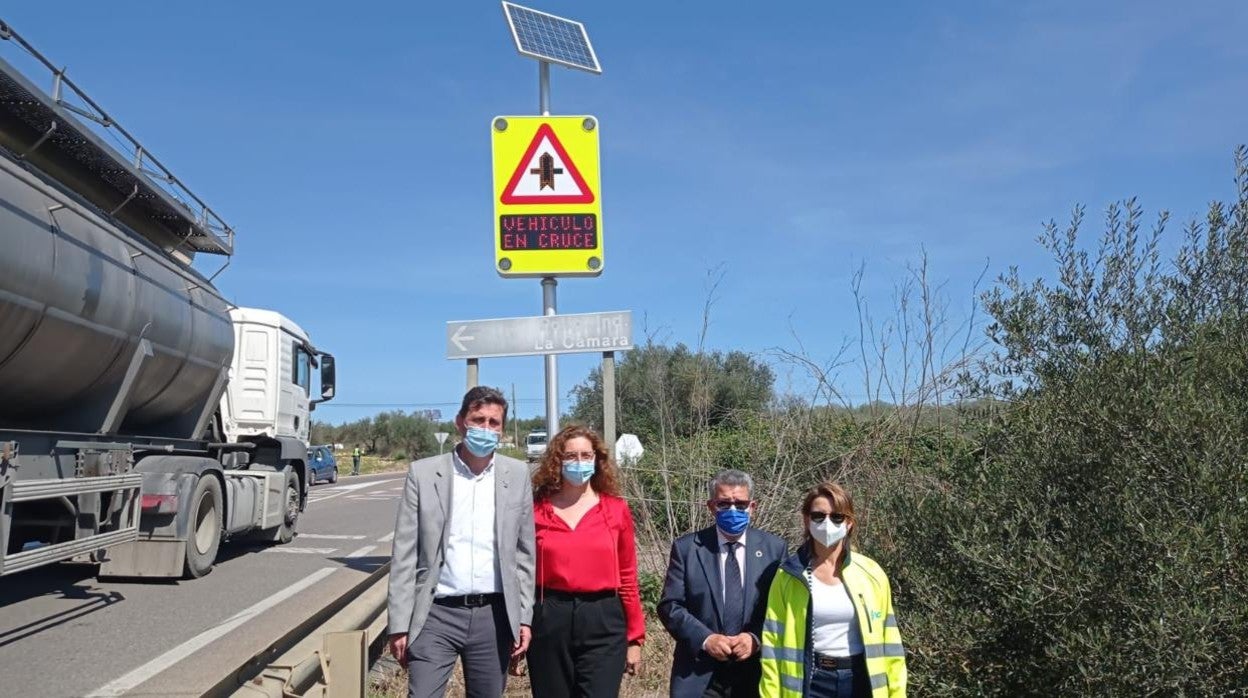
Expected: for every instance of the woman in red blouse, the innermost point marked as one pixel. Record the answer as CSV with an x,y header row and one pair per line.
x,y
588,626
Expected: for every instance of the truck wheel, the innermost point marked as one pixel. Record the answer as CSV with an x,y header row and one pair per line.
x,y
204,537
290,508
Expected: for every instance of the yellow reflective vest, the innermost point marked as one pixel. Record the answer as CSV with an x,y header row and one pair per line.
x,y
786,651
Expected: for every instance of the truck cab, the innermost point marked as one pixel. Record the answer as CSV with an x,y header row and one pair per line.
x,y
269,391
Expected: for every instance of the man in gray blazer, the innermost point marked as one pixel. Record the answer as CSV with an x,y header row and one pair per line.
x,y
461,577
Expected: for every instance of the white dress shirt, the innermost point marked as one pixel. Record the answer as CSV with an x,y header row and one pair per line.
x,y
470,561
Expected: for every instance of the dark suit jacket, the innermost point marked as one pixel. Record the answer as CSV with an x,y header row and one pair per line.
x,y
693,601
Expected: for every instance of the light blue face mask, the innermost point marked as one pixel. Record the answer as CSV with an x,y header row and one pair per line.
x,y
481,442
578,472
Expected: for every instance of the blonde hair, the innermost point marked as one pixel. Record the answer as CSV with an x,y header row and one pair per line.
x,y
837,496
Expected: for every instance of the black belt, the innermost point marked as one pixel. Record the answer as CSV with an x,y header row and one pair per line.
x,y
468,600
823,661
544,592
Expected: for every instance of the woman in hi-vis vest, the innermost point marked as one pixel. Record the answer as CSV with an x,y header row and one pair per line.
x,y
840,600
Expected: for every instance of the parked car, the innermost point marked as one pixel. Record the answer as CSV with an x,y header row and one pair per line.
x,y
321,465
535,445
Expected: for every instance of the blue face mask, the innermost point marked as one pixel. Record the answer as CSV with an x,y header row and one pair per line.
x,y
481,442
733,521
578,472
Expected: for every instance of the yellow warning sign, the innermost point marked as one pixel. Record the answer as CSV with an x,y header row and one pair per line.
x,y
547,202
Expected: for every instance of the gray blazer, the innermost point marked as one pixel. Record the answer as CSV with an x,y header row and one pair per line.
x,y
420,537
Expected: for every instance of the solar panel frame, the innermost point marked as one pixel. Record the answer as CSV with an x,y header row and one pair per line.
x,y
551,38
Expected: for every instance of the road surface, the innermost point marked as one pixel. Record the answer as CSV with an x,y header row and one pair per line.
x,y
62,633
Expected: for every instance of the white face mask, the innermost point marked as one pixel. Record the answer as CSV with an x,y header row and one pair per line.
x,y
829,533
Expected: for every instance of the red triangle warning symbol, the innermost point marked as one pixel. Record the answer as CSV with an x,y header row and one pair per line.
x,y
546,175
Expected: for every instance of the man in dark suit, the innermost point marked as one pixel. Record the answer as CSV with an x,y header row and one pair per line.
x,y
715,595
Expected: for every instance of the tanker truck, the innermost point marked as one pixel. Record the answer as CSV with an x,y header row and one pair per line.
x,y
144,419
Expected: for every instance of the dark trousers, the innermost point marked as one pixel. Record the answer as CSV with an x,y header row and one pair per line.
x,y
479,636
842,683
355,465
735,680
579,646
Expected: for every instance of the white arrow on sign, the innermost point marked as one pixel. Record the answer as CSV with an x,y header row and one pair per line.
x,y
458,338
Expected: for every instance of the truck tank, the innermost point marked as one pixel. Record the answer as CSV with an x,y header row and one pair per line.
x,y
78,293
105,328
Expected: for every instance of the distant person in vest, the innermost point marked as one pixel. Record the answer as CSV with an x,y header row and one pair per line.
x,y
839,601
355,460
588,626
715,592
461,574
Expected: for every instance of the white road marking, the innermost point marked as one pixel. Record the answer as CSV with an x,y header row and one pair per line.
x,y
330,536
120,686
362,551
304,551
353,486
386,538
344,489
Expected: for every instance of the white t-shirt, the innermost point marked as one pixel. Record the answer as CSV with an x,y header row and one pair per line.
x,y
834,629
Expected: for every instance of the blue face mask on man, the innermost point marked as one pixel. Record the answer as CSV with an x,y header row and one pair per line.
x,y
732,520
578,472
481,442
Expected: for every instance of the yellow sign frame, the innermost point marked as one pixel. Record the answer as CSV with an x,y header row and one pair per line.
x,y
547,196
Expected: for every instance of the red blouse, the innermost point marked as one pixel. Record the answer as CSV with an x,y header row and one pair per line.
x,y
600,554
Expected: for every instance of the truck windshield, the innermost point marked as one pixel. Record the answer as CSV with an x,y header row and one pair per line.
x,y
536,439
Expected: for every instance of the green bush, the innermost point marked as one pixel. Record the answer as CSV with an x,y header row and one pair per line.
x,y
1081,527
651,584
1095,543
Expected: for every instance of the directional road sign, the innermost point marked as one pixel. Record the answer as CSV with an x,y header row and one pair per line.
x,y
547,200
551,334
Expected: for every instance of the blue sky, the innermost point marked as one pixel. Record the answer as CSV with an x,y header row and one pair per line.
x,y
782,144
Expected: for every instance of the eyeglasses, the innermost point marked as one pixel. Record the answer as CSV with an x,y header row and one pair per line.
x,y
582,456
819,516
726,504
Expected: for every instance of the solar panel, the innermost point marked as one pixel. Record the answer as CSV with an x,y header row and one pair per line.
x,y
549,38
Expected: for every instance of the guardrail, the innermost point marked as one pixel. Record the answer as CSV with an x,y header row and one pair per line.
x,y
326,656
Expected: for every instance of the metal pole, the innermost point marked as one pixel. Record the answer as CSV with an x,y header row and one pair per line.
x,y
473,373
608,400
552,366
548,284
543,71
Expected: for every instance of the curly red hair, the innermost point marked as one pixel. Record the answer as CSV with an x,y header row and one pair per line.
x,y
548,478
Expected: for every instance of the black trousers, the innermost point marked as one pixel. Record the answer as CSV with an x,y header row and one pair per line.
x,y
579,646
735,680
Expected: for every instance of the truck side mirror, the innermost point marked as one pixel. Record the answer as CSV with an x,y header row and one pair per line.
x,y
327,378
